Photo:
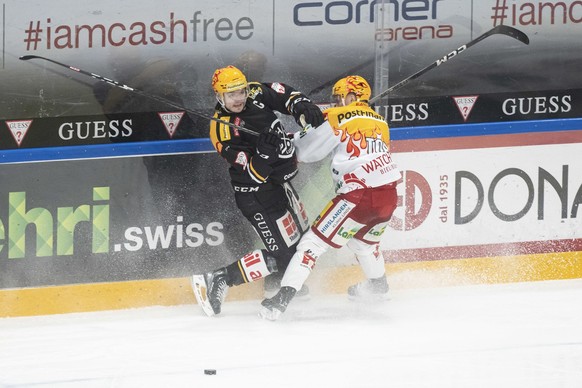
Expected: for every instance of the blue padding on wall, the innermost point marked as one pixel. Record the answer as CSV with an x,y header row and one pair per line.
x,y
203,145
117,150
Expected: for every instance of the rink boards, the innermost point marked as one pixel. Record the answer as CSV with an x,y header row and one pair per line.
x,y
177,291
511,202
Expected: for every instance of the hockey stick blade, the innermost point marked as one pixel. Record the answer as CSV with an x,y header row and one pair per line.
x,y
501,29
141,93
511,32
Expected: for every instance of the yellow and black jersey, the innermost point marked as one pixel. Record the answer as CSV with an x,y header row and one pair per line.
x,y
247,172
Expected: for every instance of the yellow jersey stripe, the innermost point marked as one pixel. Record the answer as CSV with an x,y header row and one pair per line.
x,y
255,173
242,272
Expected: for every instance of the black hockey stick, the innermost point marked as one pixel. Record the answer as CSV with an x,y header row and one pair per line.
x,y
141,93
501,29
455,19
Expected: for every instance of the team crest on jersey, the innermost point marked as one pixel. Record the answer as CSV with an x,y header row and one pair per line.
x,y
254,90
18,129
276,86
286,147
241,159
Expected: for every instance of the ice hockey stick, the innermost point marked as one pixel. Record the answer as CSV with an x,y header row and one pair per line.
x,y
501,29
140,92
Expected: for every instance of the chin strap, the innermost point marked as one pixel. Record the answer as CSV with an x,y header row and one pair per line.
x,y
221,101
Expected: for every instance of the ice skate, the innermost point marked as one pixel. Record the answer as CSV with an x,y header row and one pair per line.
x,y
210,290
272,284
369,290
274,307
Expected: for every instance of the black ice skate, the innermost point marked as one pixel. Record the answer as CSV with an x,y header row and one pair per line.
x,y
272,284
210,290
272,308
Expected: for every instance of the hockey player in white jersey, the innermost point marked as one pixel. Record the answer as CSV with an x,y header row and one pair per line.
x,y
365,178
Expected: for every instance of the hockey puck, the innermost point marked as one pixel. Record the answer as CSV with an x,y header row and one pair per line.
x,y
209,371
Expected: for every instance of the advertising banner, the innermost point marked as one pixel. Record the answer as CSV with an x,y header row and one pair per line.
x,y
400,112
482,108
488,197
171,216
117,219
110,218
171,49
103,129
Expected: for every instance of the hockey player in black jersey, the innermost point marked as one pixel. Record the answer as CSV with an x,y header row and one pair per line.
x,y
262,165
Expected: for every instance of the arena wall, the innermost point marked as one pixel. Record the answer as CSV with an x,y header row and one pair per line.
x,y
110,199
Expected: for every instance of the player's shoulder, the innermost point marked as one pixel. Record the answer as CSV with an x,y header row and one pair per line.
x,y
256,89
356,107
219,113
255,85
334,111
277,88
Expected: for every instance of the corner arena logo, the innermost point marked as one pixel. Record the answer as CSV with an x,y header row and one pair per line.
x,y
316,13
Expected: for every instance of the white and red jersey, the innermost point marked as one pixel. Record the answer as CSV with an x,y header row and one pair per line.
x,y
359,140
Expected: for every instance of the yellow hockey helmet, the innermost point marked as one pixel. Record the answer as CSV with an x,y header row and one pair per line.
x,y
228,79
351,84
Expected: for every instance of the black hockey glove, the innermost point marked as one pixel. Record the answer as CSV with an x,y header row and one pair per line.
x,y
310,112
268,146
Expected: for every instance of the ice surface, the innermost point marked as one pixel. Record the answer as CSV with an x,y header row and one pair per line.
x,y
512,335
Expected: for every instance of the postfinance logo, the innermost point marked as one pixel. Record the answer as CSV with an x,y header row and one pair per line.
x,y
13,233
